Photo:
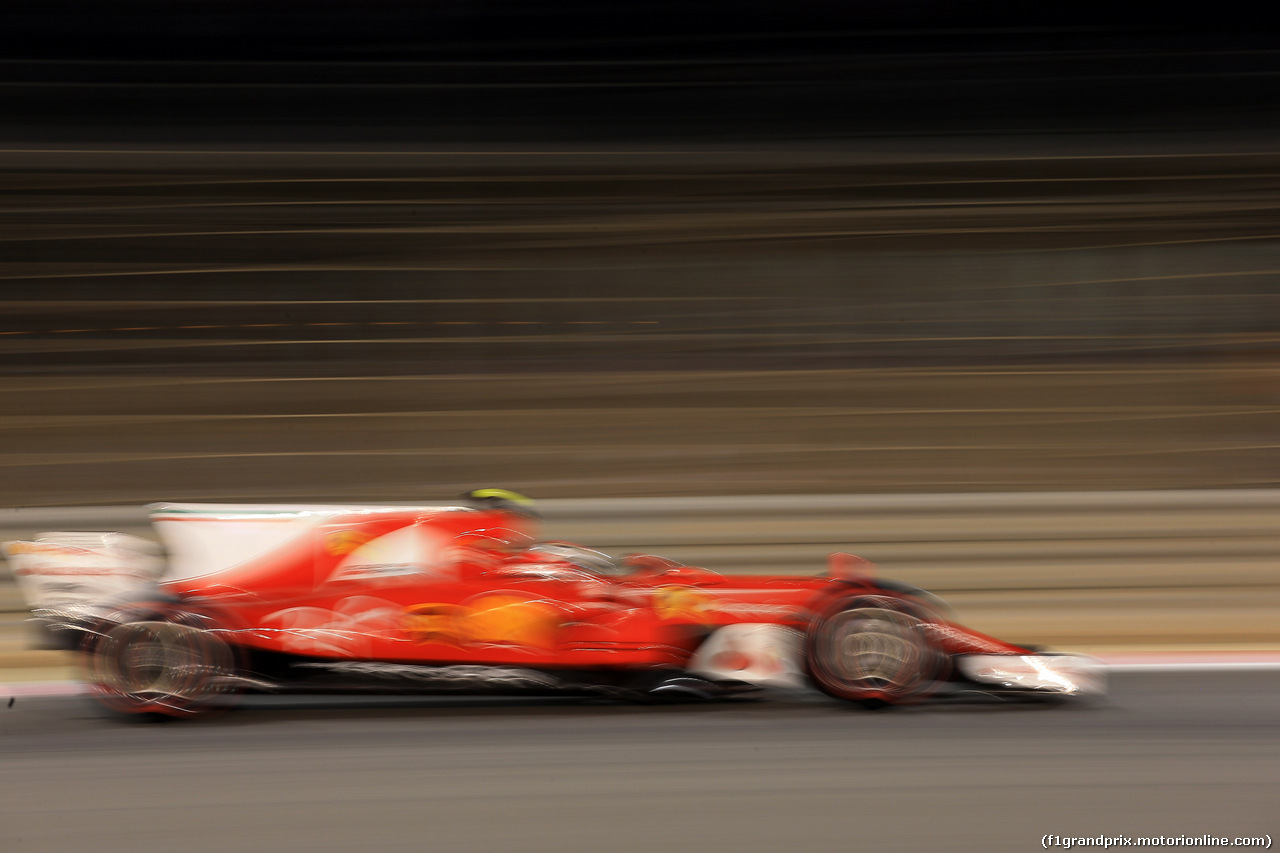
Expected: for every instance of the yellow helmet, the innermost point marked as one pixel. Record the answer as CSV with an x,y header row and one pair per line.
x,y
501,499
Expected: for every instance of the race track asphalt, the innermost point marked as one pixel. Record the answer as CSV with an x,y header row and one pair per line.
x,y
1166,754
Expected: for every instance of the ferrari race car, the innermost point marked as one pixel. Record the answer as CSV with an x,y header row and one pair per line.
x,y
273,598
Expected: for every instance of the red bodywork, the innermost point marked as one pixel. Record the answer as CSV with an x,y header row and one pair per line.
x,y
493,599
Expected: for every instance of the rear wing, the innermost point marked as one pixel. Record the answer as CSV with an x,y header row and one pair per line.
x,y
79,573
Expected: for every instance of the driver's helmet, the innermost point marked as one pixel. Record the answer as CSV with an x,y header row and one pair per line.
x,y
509,533
503,499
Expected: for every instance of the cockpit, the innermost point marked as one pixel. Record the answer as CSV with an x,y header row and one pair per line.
x,y
595,562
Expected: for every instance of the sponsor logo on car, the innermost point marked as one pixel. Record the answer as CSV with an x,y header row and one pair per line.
x,y
684,604
342,542
680,603
493,619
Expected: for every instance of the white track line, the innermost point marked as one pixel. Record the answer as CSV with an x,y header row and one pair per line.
x,y
40,689
1241,661
1190,666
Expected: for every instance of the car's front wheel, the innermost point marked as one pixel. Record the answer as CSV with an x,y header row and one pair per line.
x,y
871,650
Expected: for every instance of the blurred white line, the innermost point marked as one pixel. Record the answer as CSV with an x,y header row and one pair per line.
x,y
1236,666
41,688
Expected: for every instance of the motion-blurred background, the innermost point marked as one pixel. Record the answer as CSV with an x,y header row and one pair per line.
x,y
389,251
985,291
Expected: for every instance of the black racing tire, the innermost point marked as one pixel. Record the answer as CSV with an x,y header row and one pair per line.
x,y
166,665
871,650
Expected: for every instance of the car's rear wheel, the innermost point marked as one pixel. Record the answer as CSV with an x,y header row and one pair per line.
x,y
872,650
160,666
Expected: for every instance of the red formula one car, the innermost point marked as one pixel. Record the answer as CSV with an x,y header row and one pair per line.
x,y
464,598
